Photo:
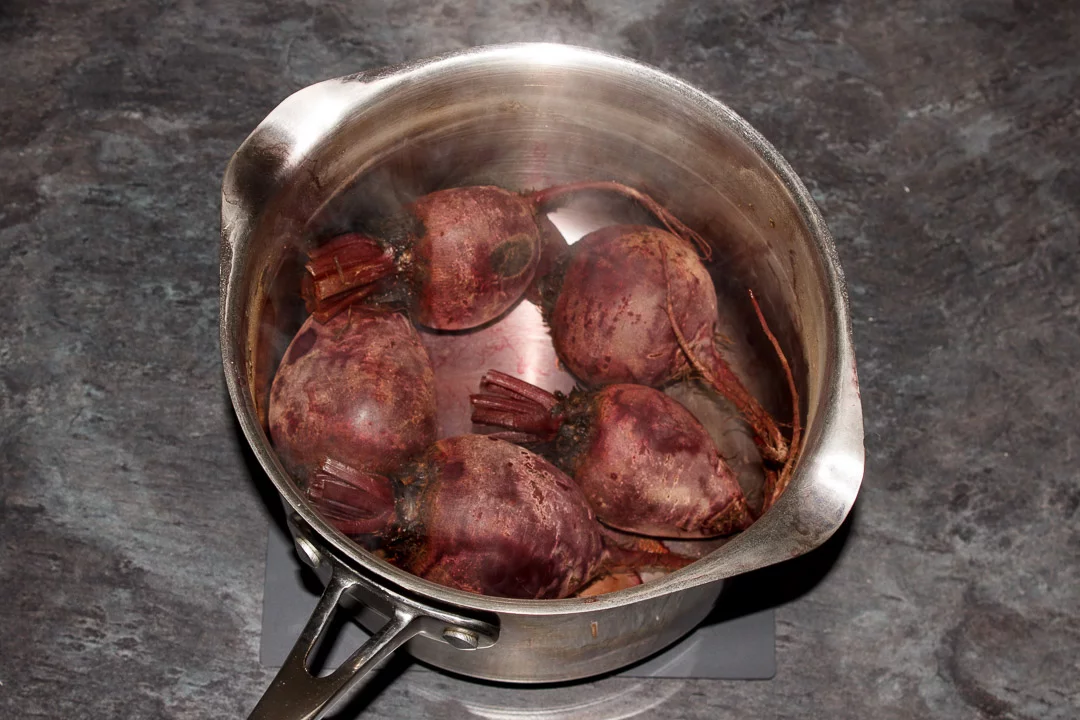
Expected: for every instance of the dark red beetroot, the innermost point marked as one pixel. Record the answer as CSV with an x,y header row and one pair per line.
x,y
358,391
477,255
466,255
474,513
493,518
635,304
480,514
645,464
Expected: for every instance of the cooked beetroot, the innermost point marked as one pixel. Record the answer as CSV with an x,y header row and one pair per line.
x,y
358,390
480,514
487,516
477,255
474,513
462,256
635,304
645,464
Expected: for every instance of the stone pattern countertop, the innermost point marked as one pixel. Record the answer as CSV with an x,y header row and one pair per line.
x,y
940,139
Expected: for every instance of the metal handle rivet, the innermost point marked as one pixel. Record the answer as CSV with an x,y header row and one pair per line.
x,y
308,552
461,638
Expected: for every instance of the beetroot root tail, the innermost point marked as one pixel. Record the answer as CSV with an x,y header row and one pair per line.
x,y
735,517
776,483
718,374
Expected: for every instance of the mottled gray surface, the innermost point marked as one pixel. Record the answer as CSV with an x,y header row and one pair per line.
x,y
940,139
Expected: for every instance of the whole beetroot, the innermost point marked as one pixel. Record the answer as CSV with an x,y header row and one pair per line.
x,y
474,513
358,390
461,256
635,304
465,255
644,462
493,518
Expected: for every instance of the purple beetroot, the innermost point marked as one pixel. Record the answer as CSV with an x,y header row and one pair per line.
x,y
635,304
496,519
644,462
474,513
480,514
468,255
357,391
461,256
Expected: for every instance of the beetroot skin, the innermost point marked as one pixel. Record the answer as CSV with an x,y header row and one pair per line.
x,y
612,299
477,256
358,390
635,304
644,462
552,247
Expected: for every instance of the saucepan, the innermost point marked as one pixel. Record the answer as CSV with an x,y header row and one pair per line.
x,y
526,116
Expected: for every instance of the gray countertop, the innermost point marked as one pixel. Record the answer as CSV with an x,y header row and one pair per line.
x,y
941,141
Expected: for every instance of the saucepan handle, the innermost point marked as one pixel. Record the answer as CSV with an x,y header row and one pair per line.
x,y
296,694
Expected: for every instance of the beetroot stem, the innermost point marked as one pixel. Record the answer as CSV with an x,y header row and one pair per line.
x,y
491,401
342,271
550,195
505,401
323,312
519,388
354,501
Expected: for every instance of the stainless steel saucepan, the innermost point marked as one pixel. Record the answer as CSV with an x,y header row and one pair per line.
x,y
527,116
